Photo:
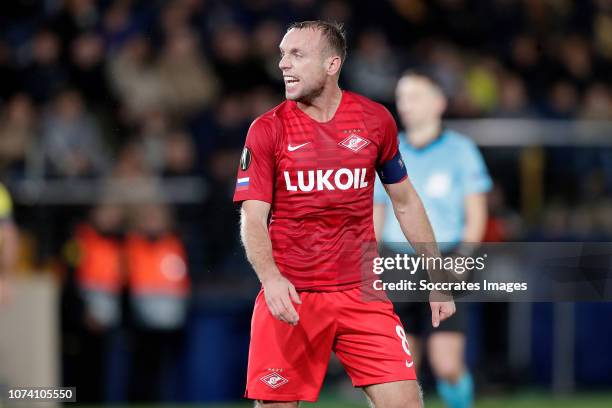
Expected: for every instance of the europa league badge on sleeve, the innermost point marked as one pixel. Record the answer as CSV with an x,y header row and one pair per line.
x,y
245,159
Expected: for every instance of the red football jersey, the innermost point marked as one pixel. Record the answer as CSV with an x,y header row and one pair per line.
x,y
319,179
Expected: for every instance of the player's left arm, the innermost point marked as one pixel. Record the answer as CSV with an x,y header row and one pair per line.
x,y
380,208
412,218
405,201
476,214
415,225
410,213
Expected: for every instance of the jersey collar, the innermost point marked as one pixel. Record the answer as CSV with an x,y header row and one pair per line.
x,y
406,142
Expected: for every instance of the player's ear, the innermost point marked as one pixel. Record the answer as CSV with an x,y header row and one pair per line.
x,y
443,104
333,64
440,103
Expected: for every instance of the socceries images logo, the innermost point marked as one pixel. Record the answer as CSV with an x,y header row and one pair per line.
x,y
274,380
354,142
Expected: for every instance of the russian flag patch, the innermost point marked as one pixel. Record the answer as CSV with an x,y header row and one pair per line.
x,y
242,184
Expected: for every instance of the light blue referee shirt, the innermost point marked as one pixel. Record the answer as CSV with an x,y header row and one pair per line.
x,y
443,173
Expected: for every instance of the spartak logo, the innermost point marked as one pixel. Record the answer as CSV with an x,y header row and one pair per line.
x,y
274,380
354,142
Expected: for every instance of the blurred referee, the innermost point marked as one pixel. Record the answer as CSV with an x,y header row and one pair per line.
x,y
451,178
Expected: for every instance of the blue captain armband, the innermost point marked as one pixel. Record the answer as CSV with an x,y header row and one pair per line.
x,y
393,170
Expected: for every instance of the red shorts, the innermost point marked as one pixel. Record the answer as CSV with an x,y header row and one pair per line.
x,y
288,363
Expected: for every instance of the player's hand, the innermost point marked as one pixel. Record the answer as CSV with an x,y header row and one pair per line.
x,y
280,295
442,307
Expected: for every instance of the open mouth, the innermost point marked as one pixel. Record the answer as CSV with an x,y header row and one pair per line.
x,y
290,80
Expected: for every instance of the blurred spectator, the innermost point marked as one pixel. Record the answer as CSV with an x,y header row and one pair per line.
x,y
179,155
374,67
17,133
45,74
554,226
602,30
71,144
87,70
527,60
576,60
597,103
513,99
581,226
261,100
504,224
603,219
447,66
75,17
233,62
157,269
481,85
134,78
9,82
132,178
562,100
99,274
231,120
159,289
118,24
296,10
152,139
337,10
131,163
160,151
176,16
92,299
187,82
266,38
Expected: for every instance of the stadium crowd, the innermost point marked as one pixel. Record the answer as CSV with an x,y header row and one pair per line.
x,y
135,89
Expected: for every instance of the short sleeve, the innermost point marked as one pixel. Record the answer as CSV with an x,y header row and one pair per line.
x,y
475,177
390,166
255,178
388,143
6,204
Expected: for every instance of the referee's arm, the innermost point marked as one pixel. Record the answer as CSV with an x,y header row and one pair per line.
x,y
476,214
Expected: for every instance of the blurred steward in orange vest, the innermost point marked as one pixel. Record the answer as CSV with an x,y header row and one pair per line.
x,y
156,261
96,253
99,272
159,289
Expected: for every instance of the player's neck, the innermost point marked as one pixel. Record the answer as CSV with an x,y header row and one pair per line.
x,y
423,135
323,107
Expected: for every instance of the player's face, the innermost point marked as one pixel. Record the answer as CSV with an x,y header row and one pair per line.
x,y
303,64
419,102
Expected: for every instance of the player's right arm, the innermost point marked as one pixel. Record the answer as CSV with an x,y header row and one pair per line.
x,y
278,291
380,208
411,214
254,189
